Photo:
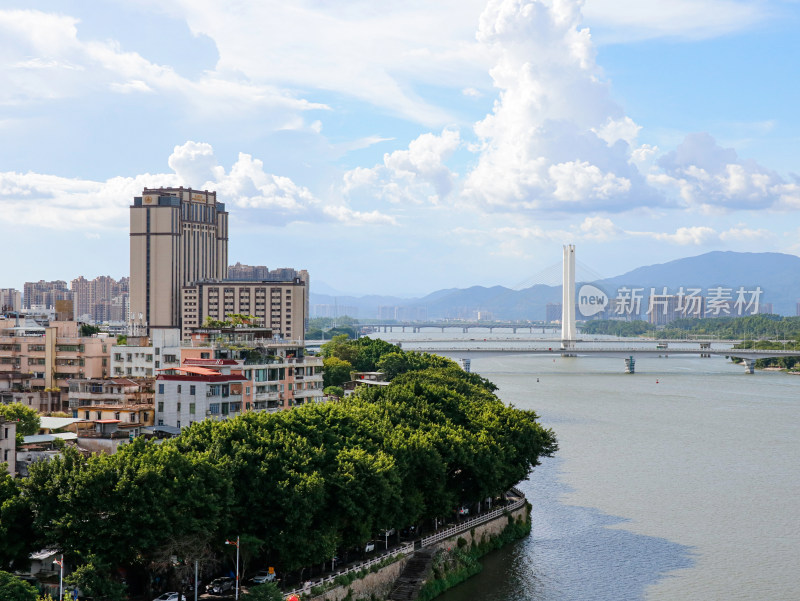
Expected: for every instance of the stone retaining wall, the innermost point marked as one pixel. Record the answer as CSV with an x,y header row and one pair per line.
x,y
375,585
484,531
378,585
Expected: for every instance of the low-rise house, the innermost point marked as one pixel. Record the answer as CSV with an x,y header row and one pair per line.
x,y
364,378
118,391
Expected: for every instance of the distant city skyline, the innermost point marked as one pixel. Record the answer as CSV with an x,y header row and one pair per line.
x,y
407,149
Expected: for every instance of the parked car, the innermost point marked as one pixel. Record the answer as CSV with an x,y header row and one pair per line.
x,y
369,547
220,586
264,576
168,597
463,510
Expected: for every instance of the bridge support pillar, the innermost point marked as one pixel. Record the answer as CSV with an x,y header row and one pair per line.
x,y
749,366
630,365
464,330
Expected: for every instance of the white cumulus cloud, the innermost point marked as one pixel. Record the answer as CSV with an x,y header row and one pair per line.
x,y
555,140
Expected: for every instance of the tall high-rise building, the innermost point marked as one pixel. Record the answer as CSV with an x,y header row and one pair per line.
x,y
45,293
10,300
91,297
178,236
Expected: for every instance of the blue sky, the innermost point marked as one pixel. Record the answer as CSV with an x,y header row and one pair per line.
x,y
402,147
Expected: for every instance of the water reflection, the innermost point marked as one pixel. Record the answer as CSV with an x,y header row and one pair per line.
x,y
573,553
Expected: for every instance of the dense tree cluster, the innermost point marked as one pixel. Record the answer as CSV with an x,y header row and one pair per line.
x,y
342,356
302,484
748,327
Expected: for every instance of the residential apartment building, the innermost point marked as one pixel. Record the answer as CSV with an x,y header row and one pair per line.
x,y
10,300
261,272
50,357
192,393
280,306
228,371
110,392
177,236
140,356
44,294
99,300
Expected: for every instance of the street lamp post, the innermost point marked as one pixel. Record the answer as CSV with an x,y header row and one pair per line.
x,y
230,542
60,563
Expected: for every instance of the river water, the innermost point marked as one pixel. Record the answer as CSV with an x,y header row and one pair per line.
x,y
681,481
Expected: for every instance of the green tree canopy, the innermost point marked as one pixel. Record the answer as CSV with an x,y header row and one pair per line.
x,y
16,589
27,419
336,371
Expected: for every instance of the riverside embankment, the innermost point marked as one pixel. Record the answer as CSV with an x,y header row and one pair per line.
x,y
453,553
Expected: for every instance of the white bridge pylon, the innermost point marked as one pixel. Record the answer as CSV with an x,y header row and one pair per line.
x,y
569,332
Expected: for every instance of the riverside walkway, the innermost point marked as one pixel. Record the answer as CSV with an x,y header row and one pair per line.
x,y
515,499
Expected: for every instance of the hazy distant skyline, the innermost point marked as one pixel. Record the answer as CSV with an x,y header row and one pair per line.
x,y
400,148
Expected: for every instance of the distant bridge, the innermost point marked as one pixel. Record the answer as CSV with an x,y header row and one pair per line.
x,y
462,326
625,350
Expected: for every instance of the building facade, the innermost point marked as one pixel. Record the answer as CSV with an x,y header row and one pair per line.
x,y
8,444
177,236
279,306
227,371
44,294
140,356
10,300
101,299
50,357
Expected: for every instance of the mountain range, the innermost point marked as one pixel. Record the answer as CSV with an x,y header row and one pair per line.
x,y
776,274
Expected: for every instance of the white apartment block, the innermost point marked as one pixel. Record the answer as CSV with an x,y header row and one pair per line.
x,y
191,393
141,356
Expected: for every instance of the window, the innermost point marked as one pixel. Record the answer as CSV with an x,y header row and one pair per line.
x,y
179,388
160,389
179,406
179,423
161,422
133,417
161,406
85,415
192,389
191,408
116,415
214,408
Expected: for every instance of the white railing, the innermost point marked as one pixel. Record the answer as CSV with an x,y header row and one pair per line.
x,y
471,523
364,565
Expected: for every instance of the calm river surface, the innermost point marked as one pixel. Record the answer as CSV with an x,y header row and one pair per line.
x,y
681,481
